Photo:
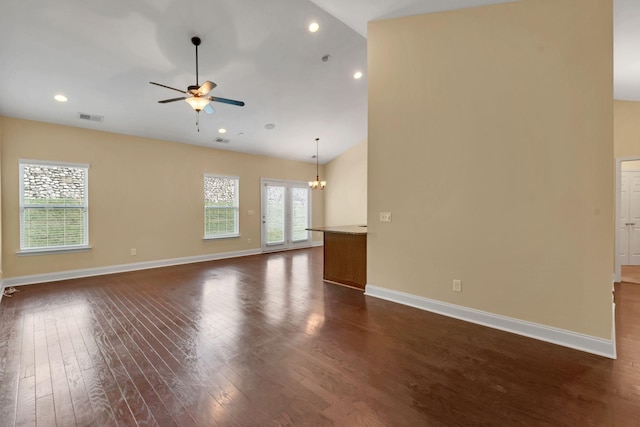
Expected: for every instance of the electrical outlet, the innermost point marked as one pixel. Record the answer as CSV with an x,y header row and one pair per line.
x,y
250,212
249,240
134,252
385,216
457,285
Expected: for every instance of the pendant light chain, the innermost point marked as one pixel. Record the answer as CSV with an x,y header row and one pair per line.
x,y
317,159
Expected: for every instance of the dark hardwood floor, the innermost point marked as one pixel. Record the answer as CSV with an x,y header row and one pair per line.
x,y
262,340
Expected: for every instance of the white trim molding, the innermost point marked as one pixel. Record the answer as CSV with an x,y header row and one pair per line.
x,y
100,271
617,273
587,343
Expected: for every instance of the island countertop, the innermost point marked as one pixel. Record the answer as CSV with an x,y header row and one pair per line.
x,y
342,229
345,254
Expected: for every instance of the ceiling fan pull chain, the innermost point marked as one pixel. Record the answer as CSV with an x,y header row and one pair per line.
x,y
198,121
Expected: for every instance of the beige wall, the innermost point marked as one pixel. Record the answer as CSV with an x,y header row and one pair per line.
x,y
143,193
626,128
492,146
346,191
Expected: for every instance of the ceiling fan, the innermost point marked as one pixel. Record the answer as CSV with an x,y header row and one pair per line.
x,y
197,94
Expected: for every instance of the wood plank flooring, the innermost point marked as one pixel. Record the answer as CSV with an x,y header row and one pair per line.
x,y
263,341
630,274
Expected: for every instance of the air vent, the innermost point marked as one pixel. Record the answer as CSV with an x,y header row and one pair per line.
x,y
91,117
221,140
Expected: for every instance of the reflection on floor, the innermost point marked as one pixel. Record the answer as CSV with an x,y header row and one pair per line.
x,y
263,341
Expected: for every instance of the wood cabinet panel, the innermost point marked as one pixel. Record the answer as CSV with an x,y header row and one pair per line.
x,y
345,258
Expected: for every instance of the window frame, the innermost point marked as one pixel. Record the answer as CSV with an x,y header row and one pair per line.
x,y
236,232
85,206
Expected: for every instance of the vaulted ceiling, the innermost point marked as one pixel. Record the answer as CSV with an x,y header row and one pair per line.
x,y
102,55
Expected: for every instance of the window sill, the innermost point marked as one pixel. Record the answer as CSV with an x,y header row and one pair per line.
x,y
52,251
226,236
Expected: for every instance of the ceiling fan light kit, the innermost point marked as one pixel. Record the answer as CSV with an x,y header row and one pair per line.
x,y
197,95
197,103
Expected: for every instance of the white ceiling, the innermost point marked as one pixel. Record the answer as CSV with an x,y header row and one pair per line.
x,y
626,50
102,54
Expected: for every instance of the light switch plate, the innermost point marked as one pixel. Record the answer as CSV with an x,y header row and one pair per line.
x,y
385,216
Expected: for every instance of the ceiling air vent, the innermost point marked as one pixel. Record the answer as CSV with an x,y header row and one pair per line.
x,y
91,117
221,140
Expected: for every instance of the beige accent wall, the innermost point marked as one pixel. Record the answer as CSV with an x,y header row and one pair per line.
x,y
491,142
143,193
346,191
626,128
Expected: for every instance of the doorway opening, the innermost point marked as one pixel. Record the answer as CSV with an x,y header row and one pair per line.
x,y
627,221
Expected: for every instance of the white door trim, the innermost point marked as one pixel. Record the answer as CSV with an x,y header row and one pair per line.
x,y
288,245
618,264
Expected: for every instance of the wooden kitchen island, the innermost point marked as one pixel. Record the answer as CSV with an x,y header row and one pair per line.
x,y
345,255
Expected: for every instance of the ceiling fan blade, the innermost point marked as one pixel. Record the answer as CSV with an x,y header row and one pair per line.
x,y
209,109
168,87
227,101
164,101
206,87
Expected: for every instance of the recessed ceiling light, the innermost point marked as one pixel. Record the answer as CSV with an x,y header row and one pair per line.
x,y
60,98
222,130
269,126
314,27
357,75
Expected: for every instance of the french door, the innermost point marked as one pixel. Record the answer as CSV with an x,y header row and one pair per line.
x,y
286,214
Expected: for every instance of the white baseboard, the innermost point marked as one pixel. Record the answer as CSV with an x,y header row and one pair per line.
x,y
99,271
613,330
587,343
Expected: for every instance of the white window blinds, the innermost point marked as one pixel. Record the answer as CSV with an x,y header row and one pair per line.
x,y
221,206
53,205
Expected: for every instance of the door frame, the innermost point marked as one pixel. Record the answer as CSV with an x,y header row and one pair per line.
x,y
287,246
617,274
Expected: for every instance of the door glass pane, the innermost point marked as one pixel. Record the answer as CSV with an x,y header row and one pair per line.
x,y
275,214
299,214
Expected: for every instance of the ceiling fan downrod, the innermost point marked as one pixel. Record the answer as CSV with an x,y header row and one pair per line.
x,y
196,42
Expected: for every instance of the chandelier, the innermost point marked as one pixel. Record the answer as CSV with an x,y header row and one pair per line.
x,y
317,183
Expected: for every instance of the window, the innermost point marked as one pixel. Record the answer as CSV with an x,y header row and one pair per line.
x,y
220,206
53,206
